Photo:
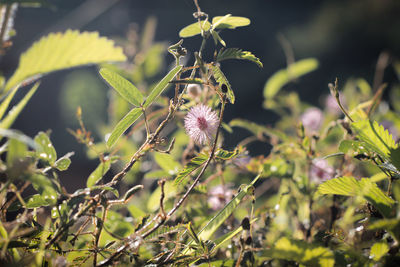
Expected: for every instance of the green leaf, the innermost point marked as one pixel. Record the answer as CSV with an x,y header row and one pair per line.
x,y
228,236
194,29
236,53
123,125
221,79
301,252
282,77
116,224
160,87
212,225
219,22
217,38
348,186
167,163
229,22
378,250
194,163
6,102
37,201
222,215
257,129
62,164
135,211
132,191
375,137
106,188
154,200
46,150
16,151
16,110
225,154
59,51
98,173
44,187
216,22
125,88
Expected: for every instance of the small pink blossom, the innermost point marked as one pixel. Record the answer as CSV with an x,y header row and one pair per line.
x,y
321,170
312,119
201,124
219,196
332,106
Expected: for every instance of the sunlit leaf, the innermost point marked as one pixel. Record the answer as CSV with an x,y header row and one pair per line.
x,y
282,77
257,129
190,167
170,190
223,214
123,125
16,110
375,137
46,150
62,164
194,29
160,87
167,163
301,252
64,50
236,53
229,22
217,38
16,151
98,173
37,201
221,79
124,87
348,186
378,250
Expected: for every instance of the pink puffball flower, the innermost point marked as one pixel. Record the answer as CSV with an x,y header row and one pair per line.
x,y
201,124
321,170
312,119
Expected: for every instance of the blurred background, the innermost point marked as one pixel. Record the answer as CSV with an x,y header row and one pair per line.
x,y
346,36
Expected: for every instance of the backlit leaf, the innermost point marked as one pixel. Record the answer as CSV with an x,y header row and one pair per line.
x,y
64,50
123,125
160,87
348,186
98,173
124,87
236,53
46,150
301,252
16,110
284,76
221,79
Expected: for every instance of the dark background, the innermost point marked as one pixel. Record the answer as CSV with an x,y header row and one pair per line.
x,y
346,36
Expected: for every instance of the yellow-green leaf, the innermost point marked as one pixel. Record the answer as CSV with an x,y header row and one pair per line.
x,y
98,173
160,87
124,87
194,29
348,186
229,22
378,250
236,53
293,71
16,110
301,252
64,50
123,125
